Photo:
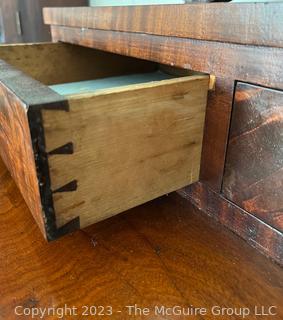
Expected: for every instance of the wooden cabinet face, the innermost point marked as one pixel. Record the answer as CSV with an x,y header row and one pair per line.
x,y
253,177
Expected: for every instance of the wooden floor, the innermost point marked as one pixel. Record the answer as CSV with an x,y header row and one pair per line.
x,y
162,253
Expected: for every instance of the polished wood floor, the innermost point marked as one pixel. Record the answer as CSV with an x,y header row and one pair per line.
x,y
162,253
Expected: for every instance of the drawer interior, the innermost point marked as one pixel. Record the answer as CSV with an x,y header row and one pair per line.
x,y
69,69
58,63
93,86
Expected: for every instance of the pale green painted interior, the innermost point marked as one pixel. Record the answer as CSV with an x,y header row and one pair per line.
x,y
91,86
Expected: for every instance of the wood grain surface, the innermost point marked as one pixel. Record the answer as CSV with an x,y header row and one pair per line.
x,y
131,145
246,23
17,152
258,234
162,253
253,176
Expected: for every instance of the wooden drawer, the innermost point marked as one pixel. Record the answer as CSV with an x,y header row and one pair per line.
x,y
118,133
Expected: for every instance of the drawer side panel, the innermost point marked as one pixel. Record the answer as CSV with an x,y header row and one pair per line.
x,y
130,146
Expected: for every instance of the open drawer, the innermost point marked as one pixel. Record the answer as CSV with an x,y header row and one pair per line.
x,y
88,134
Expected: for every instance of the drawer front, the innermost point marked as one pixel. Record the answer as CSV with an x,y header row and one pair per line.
x,y
254,164
99,153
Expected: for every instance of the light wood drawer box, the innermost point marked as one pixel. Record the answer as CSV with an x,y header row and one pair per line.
x,y
108,143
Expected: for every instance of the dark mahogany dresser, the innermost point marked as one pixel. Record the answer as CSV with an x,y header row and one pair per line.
x,y
125,106
206,81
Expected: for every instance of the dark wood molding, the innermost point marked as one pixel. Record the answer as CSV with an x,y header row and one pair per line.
x,y
258,234
246,23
